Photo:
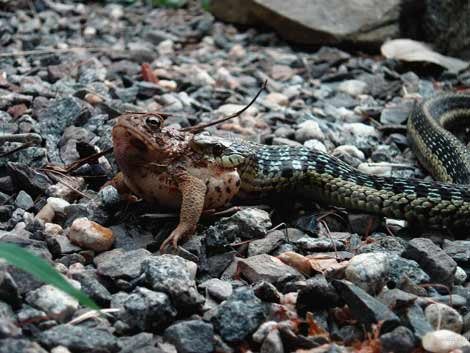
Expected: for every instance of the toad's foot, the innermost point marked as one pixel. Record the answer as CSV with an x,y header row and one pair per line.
x,y
193,191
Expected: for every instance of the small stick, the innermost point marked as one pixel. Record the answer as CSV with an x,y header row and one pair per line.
x,y
198,128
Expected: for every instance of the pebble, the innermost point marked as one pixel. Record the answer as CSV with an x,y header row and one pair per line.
x,y
274,98
443,341
267,268
24,201
442,316
193,336
352,87
239,316
79,339
217,289
369,271
90,235
316,145
174,276
349,150
52,301
432,259
309,130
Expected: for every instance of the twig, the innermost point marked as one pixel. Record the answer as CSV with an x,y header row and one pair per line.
x,y
197,128
48,51
59,180
75,165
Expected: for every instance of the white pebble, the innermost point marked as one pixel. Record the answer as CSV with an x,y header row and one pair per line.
x,y
460,276
52,229
360,129
369,271
275,98
58,204
309,130
352,87
349,150
315,145
443,341
379,169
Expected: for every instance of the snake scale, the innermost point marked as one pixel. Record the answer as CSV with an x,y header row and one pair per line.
x,y
267,169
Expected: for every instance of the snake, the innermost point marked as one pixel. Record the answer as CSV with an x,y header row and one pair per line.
x,y
443,202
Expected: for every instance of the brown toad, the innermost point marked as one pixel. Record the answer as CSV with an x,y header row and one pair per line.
x,y
158,164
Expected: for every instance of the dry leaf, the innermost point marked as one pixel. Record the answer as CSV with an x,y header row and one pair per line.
x,y
411,50
147,73
297,261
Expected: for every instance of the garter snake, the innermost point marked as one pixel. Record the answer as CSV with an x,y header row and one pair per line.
x,y
265,169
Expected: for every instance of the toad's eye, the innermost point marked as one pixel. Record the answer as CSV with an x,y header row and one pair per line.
x,y
153,122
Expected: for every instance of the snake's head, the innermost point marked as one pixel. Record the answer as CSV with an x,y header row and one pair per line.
x,y
142,138
218,149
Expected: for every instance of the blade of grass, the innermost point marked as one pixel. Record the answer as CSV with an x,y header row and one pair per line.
x,y
42,271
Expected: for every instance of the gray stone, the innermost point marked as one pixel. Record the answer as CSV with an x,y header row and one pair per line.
x,y
318,22
92,287
194,336
217,289
12,345
401,268
266,268
414,317
120,264
251,222
239,316
144,309
267,244
142,342
396,298
364,307
24,201
400,340
442,316
317,294
172,275
79,339
459,250
432,259
319,244
53,301
369,271
445,24
272,343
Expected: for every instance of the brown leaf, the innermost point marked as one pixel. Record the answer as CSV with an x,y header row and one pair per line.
x,y
147,73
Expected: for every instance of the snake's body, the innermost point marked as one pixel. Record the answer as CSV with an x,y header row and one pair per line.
x,y
266,169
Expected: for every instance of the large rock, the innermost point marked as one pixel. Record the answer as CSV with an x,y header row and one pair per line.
x,y
446,25
362,22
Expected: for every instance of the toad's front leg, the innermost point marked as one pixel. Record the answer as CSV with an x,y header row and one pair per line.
x,y
193,191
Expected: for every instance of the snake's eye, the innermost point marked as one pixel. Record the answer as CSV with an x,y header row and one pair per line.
x,y
153,122
218,149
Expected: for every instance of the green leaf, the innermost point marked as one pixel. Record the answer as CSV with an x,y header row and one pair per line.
x,y
42,271
175,4
206,4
